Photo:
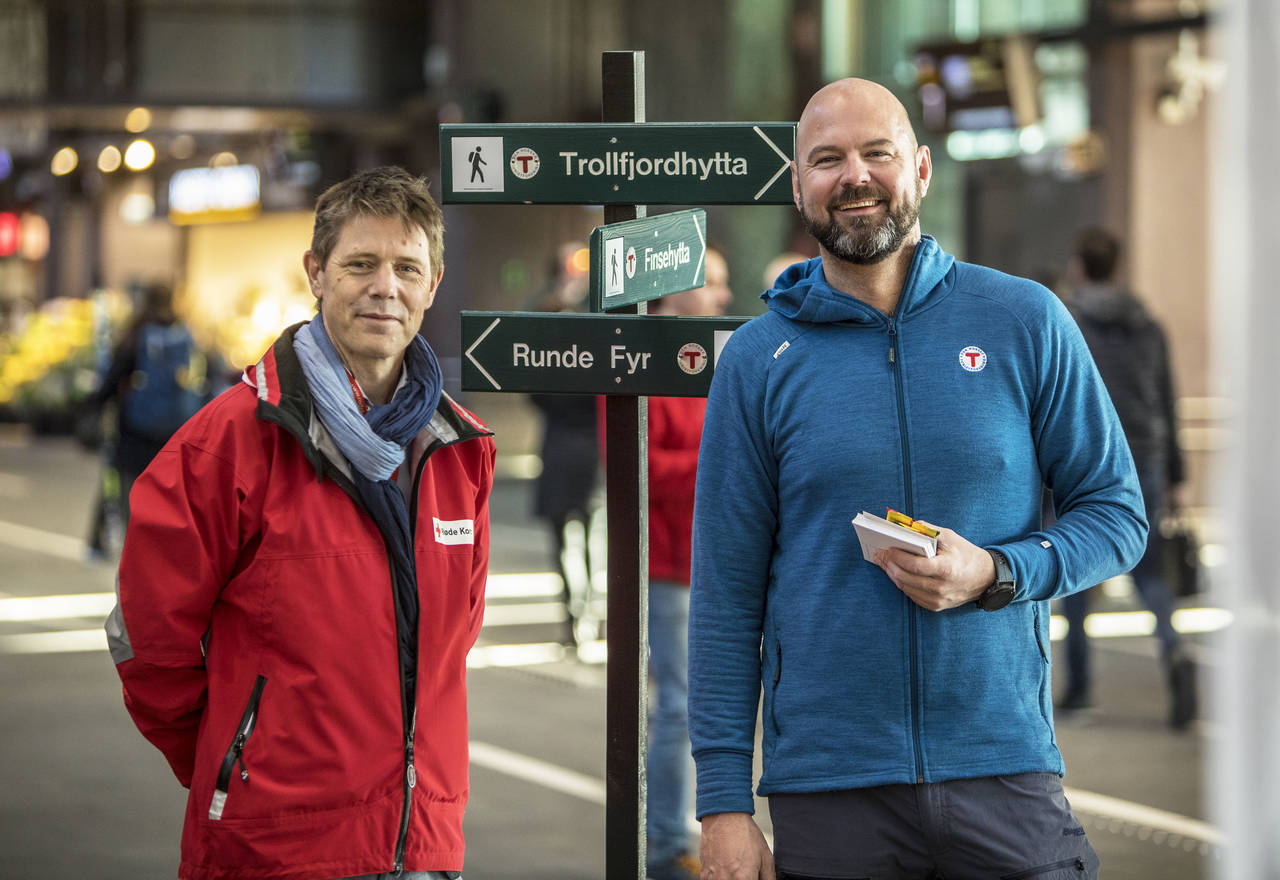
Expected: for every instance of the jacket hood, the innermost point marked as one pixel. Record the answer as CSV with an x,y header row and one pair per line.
x,y
802,293
1105,304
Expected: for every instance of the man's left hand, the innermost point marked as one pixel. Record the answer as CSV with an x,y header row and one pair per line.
x,y
959,573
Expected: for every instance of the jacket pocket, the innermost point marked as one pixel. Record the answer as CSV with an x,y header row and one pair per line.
x,y
1068,867
1035,627
777,681
235,752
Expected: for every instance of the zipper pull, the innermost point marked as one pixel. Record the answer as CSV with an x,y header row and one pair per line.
x,y
893,338
239,748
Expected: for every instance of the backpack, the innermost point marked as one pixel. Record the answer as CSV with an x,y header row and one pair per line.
x,y
166,386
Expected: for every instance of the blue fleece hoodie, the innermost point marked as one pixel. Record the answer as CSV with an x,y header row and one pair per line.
x,y
955,410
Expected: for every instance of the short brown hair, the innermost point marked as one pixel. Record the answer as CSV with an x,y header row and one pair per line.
x,y
1098,251
389,191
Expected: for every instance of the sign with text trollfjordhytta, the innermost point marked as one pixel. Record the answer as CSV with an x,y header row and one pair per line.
x,y
648,163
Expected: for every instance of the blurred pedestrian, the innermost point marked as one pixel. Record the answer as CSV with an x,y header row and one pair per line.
x,y
675,432
157,379
305,570
566,491
1132,355
907,719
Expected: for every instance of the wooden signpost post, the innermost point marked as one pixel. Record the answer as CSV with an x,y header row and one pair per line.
x,y
624,164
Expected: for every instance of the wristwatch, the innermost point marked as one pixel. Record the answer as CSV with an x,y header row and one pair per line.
x,y
1000,593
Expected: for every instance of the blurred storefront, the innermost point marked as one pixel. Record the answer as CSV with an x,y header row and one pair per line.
x,y
1042,115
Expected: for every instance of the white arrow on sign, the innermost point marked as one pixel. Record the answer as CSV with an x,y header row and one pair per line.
x,y
786,161
471,357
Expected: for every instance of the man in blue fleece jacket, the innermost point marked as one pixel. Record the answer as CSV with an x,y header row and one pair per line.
x,y
907,718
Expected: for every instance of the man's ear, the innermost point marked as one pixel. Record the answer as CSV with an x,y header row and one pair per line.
x,y
795,187
924,168
313,269
435,286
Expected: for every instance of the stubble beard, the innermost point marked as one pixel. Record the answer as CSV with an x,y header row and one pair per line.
x,y
868,239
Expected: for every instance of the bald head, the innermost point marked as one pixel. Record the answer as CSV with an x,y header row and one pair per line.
x,y
854,99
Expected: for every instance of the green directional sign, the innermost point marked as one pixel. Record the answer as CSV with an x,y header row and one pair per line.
x,y
644,259
645,163
592,354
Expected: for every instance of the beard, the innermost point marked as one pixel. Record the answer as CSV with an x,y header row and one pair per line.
x,y
868,239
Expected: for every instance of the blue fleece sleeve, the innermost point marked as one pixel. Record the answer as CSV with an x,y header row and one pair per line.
x,y
735,513
1101,530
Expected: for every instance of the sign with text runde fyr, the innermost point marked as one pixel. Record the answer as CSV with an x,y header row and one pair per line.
x,y
645,163
640,260
660,355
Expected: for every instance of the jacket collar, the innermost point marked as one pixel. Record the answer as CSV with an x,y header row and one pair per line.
x,y
802,293
284,398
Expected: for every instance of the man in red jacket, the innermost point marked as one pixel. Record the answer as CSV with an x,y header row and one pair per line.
x,y
675,430
304,568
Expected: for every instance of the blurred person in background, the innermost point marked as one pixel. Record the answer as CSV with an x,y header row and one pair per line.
x,y
907,715
675,432
565,493
1132,354
304,571
157,379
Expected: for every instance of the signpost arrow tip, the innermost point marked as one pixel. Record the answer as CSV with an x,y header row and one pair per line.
x,y
472,358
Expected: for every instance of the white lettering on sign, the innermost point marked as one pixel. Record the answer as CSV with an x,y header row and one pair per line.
x,y
522,355
618,355
626,164
454,531
672,257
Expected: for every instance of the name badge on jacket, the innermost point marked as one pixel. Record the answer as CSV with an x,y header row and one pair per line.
x,y
455,531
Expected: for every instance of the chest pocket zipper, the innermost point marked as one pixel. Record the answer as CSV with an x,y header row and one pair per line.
x,y
235,752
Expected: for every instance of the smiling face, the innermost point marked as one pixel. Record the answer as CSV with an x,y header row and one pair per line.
x,y
373,290
859,176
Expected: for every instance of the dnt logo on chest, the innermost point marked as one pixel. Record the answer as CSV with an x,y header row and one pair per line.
x,y
973,358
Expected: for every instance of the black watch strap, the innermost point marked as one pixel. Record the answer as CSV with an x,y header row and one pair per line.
x,y
1002,591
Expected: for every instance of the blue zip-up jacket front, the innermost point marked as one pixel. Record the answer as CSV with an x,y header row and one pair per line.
x,y
955,410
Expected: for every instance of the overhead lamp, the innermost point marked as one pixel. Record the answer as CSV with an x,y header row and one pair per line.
x,y
109,159
139,155
183,146
138,120
64,161
225,159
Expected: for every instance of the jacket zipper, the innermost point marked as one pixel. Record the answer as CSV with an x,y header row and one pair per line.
x,y
235,752
409,707
895,361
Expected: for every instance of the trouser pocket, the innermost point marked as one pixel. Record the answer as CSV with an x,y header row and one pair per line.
x,y
1066,868
235,751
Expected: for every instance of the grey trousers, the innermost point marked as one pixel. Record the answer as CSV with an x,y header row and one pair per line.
x,y
1017,827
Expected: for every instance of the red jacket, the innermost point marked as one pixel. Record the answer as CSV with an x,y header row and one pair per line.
x,y
675,430
256,638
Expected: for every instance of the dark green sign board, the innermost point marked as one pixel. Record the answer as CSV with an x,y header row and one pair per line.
x,y
643,163
639,260
592,354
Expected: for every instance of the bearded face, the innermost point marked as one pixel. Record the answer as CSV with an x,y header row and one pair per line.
x,y
866,238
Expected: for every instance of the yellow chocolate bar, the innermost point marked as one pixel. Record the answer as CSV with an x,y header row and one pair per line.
x,y
902,519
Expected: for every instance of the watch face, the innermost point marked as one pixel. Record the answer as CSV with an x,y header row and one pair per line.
x,y
995,598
